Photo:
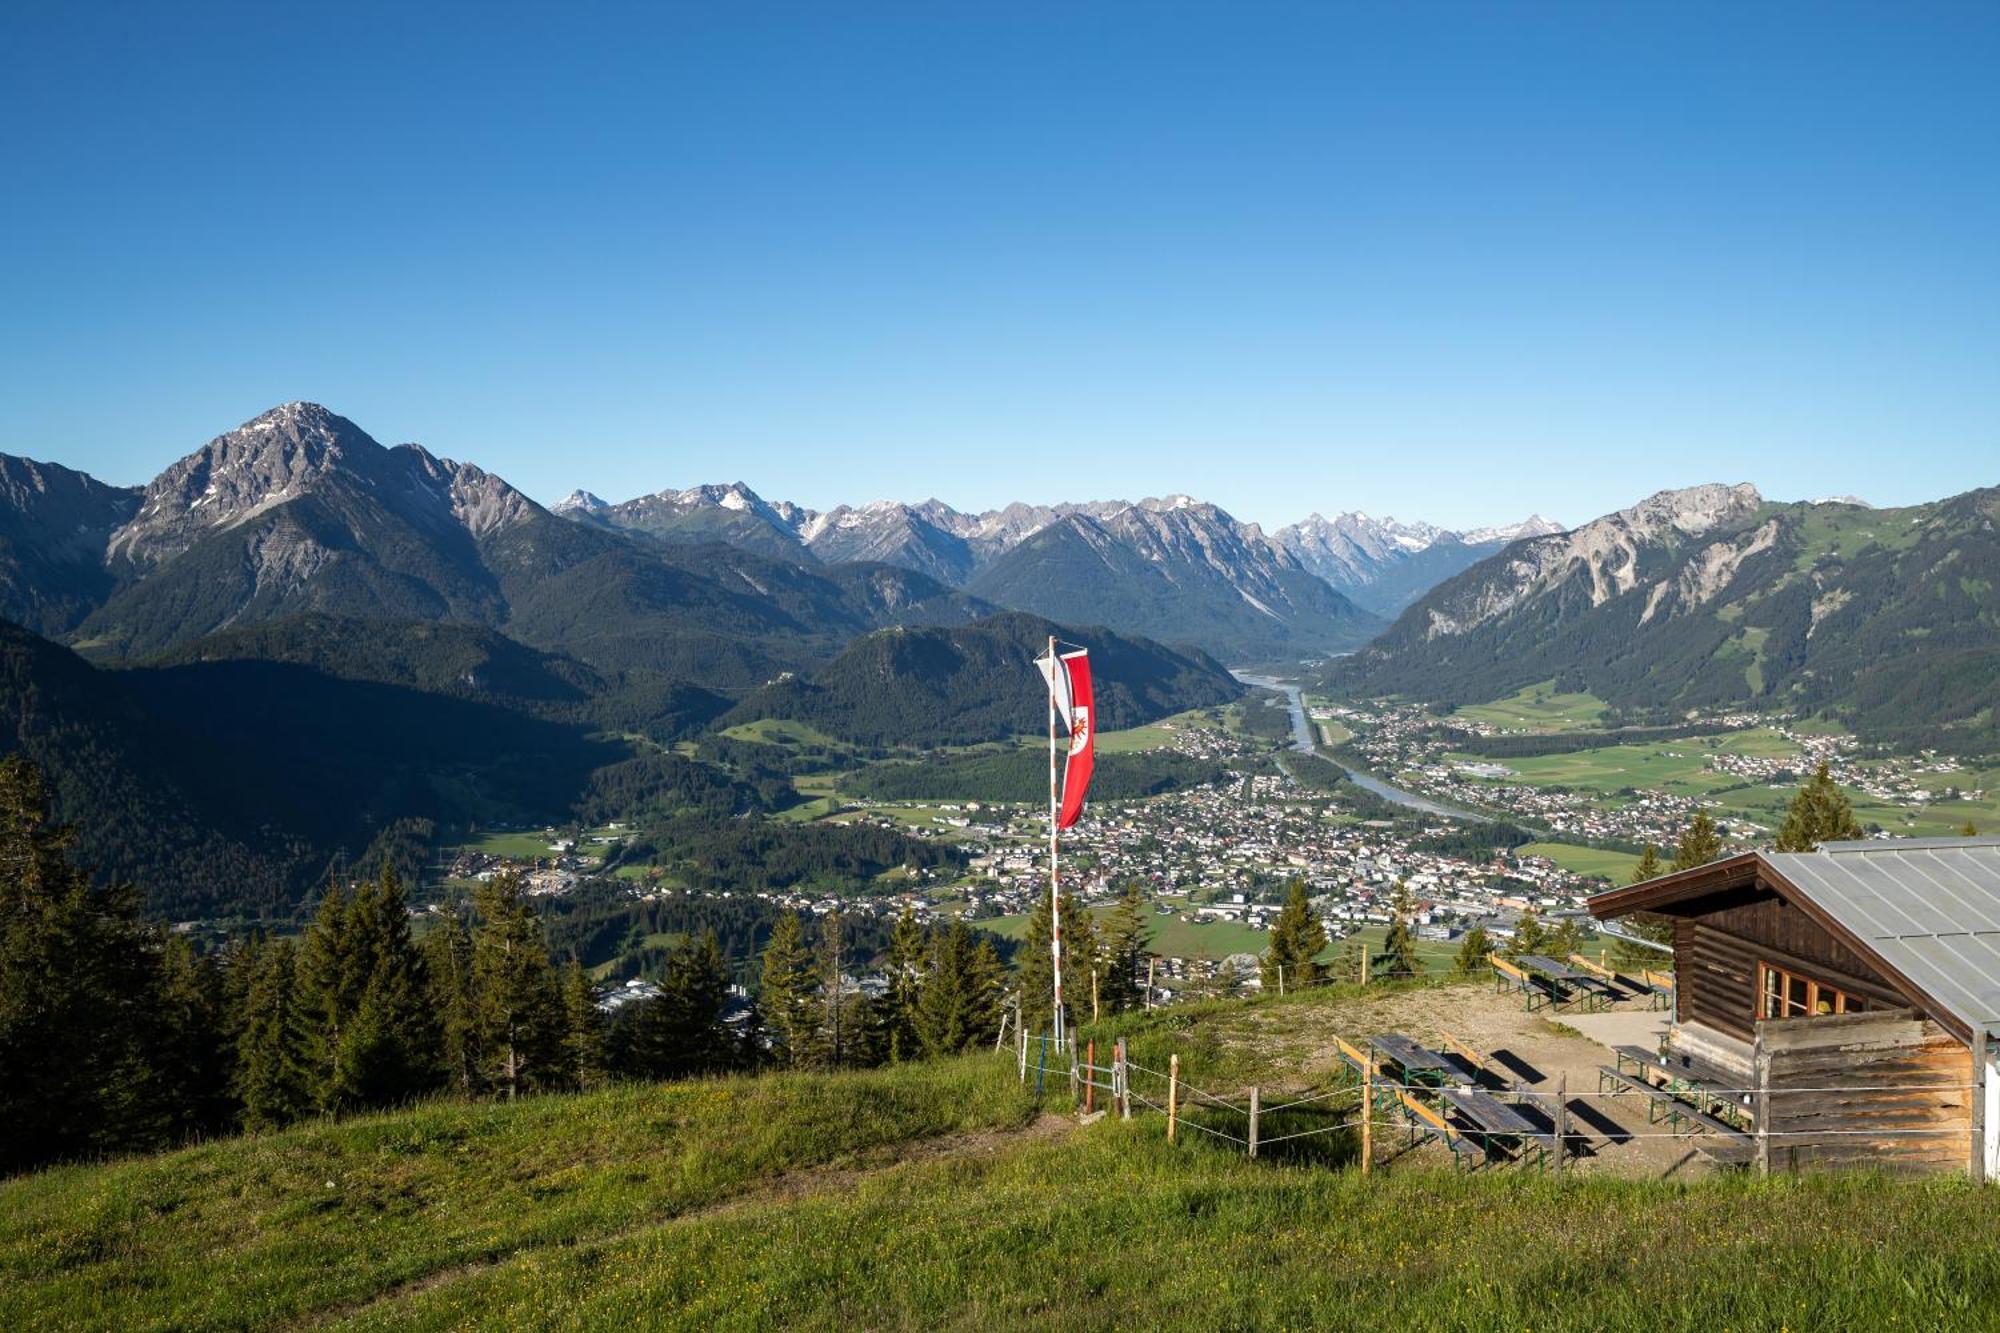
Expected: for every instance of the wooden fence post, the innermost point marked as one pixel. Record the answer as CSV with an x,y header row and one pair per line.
x,y
1760,1064
1254,1104
1367,1112
1173,1095
1976,1163
1093,995
1089,1069
1562,1121
1364,964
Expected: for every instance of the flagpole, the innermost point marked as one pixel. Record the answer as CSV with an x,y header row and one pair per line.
x,y
1055,811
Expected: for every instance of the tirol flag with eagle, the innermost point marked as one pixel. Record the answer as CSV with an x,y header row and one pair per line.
x,y
1068,674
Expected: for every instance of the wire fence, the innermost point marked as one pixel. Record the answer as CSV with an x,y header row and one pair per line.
x,y
1463,1105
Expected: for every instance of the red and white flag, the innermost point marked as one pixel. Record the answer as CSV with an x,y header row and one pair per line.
x,y
1068,675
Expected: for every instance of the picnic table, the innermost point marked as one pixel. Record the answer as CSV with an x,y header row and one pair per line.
x,y
1561,975
1493,1118
1419,1063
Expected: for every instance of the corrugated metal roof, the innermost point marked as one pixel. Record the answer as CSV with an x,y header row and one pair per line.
x,y
1929,906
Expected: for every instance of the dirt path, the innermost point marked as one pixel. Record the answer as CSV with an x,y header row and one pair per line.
x,y
786,1187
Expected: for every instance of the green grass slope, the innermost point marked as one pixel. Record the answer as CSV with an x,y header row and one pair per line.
x,y
937,1196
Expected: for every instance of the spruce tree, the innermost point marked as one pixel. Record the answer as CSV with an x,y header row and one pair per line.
x,y
680,1034
956,1007
1529,935
583,1028
1638,956
1474,948
78,995
518,1012
908,955
196,1061
447,952
1297,939
388,1048
1819,813
1124,951
1699,844
327,995
273,1082
1399,947
789,994
1970,830
836,1009
1037,972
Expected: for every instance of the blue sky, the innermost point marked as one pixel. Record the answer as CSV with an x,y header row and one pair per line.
x,y
1449,262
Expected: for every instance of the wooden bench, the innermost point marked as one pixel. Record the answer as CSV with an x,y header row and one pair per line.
x,y
1426,1123
1678,1110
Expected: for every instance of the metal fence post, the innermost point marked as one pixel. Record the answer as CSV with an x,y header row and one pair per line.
x,y
1173,1095
1254,1105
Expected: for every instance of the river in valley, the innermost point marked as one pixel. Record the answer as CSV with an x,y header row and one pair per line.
x,y
1306,742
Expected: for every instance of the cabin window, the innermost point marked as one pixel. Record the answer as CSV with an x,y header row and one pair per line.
x,y
1789,995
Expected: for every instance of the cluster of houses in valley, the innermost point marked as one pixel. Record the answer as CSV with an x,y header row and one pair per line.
x,y
1421,749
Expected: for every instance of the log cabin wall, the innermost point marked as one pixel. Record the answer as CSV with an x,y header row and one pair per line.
x,y
1889,1090
1718,944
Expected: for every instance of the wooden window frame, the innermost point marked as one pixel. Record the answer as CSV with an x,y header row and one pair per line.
x,y
1838,1000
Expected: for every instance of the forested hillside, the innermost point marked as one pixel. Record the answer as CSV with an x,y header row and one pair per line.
x,y
958,686
1884,620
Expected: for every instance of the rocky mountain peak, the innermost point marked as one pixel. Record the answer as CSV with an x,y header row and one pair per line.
x,y
581,502
1692,510
271,458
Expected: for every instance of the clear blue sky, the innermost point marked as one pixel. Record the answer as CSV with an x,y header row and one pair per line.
x,y
1450,262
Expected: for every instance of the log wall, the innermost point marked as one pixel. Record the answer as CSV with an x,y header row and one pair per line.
x,y
1885,1090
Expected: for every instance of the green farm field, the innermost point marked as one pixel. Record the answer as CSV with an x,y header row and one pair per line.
x,y
1614,866
1538,708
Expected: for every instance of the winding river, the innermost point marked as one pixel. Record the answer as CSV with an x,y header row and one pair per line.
x,y
1305,742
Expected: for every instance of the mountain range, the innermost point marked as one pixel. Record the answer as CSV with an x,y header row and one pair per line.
x,y
1884,619
300,511
1378,564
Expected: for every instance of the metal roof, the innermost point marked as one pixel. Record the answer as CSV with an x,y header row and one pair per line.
x,y
1929,907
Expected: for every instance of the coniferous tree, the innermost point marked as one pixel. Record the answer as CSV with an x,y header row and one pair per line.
x,y
1565,939
1473,950
1529,935
388,1051
518,1012
1970,830
956,1007
681,1034
835,1005
326,992
1399,947
789,993
1819,813
78,986
583,1028
1699,844
1638,956
908,955
1124,947
192,1050
447,952
1037,971
273,1082
1297,940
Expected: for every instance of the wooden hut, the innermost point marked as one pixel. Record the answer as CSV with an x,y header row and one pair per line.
x,y
1846,999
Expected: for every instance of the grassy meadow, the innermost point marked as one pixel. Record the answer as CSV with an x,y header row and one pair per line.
x,y
942,1195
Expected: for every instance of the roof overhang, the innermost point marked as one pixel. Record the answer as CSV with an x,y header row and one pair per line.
x,y
1753,870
